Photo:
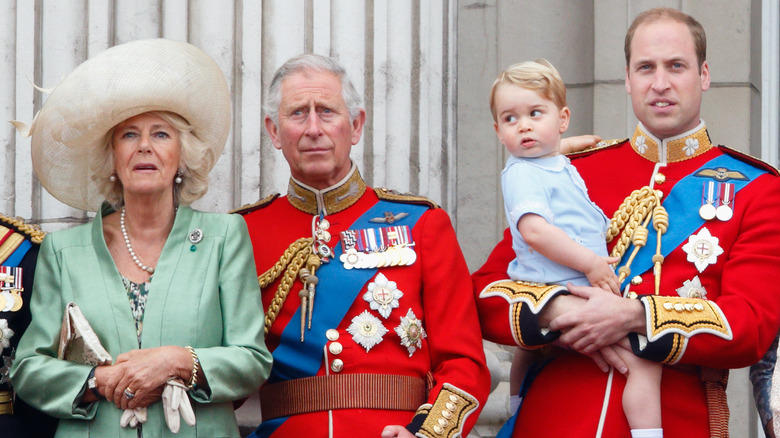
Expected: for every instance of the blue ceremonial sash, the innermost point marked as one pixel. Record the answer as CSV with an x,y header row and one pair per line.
x,y
336,293
509,427
684,197
16,257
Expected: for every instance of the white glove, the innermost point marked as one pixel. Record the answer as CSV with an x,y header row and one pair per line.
x,y
133,417
176,401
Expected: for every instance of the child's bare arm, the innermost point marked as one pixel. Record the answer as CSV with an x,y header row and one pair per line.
x,y
578,143
556,245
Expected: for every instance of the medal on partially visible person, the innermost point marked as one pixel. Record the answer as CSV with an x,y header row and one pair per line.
x,y
11,284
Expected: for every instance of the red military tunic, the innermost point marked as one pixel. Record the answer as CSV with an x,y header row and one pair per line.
x,y
729,263
434,292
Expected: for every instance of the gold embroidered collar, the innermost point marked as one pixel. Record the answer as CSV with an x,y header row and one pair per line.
x,y
331,200
671,150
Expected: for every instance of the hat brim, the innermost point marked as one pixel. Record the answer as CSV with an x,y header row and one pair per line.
x,y
117,84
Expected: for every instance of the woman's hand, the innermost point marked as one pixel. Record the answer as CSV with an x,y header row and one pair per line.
x,y
145,373
396,431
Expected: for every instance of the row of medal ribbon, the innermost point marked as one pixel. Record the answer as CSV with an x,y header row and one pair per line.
x,y
10,289
372,248
717,201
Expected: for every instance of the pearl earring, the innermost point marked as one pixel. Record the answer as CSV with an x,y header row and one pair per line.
x,y
112,177
178,179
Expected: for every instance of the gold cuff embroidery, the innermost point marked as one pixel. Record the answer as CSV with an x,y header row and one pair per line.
x,y
535,295
446,417
684,316
517,331
679,343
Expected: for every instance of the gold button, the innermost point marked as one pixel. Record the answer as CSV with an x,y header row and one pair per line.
x,y
442,422
450,406
679,307
659,178
689,307
668,306
332,334
438,429
636,280
454,398
335,348
698,306
446,414
337,365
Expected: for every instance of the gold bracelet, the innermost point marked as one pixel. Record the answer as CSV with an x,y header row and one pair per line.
x,y
195,369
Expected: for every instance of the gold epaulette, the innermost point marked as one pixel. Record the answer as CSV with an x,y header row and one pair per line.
x,y
684,316
33,232
756,162
448,414
393,196
604,144
535,295
256,206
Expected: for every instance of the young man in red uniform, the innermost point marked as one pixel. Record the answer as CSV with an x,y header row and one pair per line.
x,y
699,302
370,315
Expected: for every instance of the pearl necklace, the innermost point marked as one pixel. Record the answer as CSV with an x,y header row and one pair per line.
x,y
135,258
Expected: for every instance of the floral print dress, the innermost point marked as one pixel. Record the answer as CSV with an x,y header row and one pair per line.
x,y
137,294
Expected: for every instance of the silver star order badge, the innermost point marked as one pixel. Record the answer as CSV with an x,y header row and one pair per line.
x,y
383,295
702,249
5,334
411,332
692,289
367,330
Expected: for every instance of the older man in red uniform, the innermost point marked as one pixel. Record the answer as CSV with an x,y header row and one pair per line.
x,y
698,293
370,314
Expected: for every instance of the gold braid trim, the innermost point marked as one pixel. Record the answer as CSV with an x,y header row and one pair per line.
x,y
535,295
686,316
292,259
447,416
632,218
36,235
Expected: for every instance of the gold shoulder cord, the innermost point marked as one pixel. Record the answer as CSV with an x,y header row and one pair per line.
x,y
294,257
632,218
35,234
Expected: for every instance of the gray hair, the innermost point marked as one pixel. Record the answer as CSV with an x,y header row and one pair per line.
x,y
310,62
196,160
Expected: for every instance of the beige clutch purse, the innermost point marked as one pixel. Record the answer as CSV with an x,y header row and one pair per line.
x,y
78,342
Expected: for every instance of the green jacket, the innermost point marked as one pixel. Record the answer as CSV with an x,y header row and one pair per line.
x,y
205,295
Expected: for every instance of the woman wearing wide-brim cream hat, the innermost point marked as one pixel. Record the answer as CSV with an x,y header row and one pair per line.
x,y
170,292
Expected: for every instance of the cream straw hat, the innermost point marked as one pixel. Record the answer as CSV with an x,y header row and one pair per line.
x,y
119,83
